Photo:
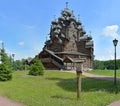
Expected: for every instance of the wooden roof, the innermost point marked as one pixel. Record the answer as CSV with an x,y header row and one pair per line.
x,y
68,59
71,52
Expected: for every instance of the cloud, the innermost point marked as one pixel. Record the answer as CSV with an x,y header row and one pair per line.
x,y
1,41
107,54
29,27
21,43
111,31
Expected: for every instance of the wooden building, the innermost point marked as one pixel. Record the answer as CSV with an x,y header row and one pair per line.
x,y
69,45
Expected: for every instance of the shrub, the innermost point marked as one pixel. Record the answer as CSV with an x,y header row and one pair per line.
x,y
5,66
36,68
5,73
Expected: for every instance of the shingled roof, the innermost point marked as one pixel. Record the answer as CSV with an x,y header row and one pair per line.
x,y
68,59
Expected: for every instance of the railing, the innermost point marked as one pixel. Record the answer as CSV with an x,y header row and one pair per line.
x,y
57,64
53,60
57,59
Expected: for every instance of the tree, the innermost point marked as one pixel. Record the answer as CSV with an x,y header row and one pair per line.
x,y
108,64
19,65
5,66
36,68
99,64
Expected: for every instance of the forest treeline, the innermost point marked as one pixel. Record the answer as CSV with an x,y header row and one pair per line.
x,y
108,64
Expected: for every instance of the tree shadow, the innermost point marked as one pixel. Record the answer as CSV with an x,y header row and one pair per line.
x,y
87,85
92,84
62,97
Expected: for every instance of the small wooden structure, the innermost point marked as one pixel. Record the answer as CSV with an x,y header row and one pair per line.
x,y
72,63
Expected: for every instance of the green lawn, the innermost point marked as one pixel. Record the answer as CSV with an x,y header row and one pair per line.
x,y
106,72
58,89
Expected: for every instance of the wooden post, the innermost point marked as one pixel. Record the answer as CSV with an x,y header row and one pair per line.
x,y
79,75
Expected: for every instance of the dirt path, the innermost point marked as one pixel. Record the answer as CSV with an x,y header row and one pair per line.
x,y
99,76
7,102
96,76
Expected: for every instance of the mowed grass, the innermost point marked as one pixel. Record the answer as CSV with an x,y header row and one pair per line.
x,y
106,72
57,88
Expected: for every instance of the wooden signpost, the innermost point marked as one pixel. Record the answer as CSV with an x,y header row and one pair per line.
x,y
79,75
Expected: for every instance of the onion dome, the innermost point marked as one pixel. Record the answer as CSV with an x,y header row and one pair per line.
x,y
67,18
78,22
58,27
53,26
56,32
54,22
68,11
79,27
47,42
83,32
72,18
61,18
90,37
89,44
83,37
64,13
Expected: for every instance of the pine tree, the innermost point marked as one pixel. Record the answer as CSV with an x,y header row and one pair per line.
x,y
5,66
36,68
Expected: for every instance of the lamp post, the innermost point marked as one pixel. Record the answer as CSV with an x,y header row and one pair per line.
x,y
115,41
13,55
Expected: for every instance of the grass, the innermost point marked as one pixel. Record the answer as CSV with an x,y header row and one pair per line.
x,y
58,89
106,72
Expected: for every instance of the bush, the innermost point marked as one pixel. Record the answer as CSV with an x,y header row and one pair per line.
x,y
5,73
36,68
5,66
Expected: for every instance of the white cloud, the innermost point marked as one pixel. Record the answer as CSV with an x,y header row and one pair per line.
x,y
21,43
107,54
1,41
29,27
111,31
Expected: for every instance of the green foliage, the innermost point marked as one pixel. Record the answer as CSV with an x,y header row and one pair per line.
x,y
36,68
5,73
99,64
5,66
5,59
108,64
20,65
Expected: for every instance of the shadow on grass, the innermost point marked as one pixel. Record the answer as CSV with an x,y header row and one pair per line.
x,y
88,85
62,97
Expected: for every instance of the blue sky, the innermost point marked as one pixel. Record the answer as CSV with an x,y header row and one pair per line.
x,y
25,24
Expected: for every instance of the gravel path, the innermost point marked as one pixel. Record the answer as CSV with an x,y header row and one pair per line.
x,y
99,76
95,76
7,102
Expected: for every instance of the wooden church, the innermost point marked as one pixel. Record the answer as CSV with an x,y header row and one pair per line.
x,y
69,46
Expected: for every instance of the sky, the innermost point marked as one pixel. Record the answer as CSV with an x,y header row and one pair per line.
x,y
25,24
